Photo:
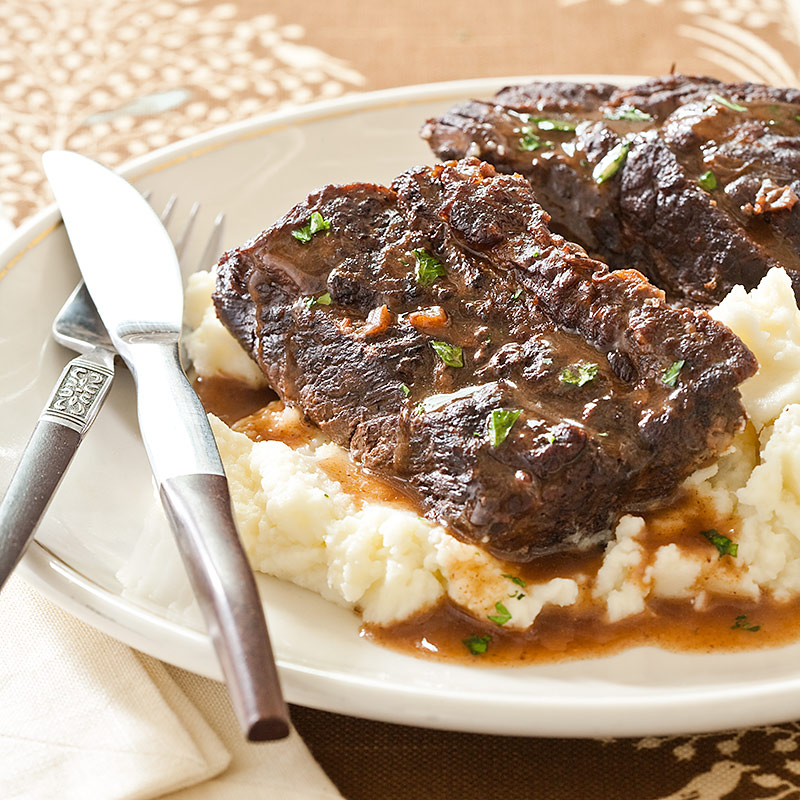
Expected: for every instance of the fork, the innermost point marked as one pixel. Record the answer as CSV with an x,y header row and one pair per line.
x,y
224,584
71,409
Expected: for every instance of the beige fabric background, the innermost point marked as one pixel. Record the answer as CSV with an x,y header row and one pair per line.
x,y
116,79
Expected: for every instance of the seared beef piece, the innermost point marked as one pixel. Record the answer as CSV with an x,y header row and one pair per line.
x,y
354,325
657,212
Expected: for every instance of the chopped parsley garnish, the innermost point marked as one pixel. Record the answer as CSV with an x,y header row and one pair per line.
x,y
727,103
797,117
323,300
420,409
502,615
517,294
501,421
515,579
406,390
546,123
551,438
670,375
428,268
316,223
630,113
451,354
708,181
477,645
608,166
742,623
724,545
578,374
530,141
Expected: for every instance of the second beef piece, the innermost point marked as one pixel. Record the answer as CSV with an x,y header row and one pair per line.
x,y
692,181
514,388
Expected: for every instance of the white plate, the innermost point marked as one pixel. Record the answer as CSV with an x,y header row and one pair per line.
x,y
256,171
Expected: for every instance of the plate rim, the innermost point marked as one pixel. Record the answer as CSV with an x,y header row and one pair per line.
x,y
191,650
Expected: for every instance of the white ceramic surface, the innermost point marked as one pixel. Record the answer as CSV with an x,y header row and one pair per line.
x,y
255,172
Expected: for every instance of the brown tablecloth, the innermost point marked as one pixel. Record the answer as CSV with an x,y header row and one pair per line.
x,y
116,79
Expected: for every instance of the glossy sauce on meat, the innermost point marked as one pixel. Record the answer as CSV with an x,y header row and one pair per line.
x,y
514,388
702,199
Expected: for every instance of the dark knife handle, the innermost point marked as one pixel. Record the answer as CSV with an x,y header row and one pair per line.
x,y
69,413
226,591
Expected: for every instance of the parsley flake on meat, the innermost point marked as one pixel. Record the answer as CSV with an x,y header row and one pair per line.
x,y
708,181
578,374
323,300
670,375
503,615
427,268
608,166
316,223
629,113
451,354
406,390
562,125
546,123
724,545
728,103
517,294
501,421
477,645
530,140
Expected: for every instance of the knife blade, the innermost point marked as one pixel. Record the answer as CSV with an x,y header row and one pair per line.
x,y
131,271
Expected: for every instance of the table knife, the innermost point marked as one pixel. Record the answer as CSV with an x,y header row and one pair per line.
x,y
131,270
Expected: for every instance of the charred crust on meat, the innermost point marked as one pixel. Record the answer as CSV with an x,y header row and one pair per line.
x,y
521,308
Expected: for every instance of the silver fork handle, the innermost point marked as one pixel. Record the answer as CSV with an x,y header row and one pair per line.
x,y
67,417
194,491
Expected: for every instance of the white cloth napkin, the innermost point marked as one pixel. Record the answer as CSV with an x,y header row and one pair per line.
x,y
83,716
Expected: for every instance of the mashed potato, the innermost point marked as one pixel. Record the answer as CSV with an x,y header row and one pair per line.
x,y
298,523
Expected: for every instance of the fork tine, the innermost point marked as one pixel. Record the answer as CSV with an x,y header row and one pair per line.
x,y
212,248
180,245
213,242
166,214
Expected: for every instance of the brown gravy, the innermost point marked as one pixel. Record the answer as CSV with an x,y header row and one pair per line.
x,y
567,634
724,624
229,399
260,416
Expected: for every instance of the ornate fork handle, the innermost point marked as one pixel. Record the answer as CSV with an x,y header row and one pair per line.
x,y
67,416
